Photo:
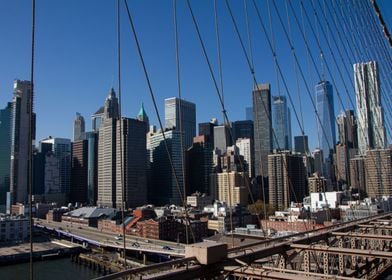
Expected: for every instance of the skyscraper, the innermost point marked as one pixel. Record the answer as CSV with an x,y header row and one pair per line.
x,y
378,170
347,129
262,128
20,140
281,123
301,144
245,149
61,148
173,107
166,185
133,173
79,128
5,154
207,129
371,129
199,166
79,171
142,116
222,138
326,125
286,180
249,113
243,129
97,119
92,167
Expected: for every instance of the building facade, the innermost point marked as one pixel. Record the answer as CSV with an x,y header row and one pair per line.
x,y
371,129
286,180
20,126
378,167
326,124
5,154
262,122
79,128
79,172
281,123
181,115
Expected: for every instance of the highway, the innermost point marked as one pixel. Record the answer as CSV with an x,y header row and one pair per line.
x,y
102,239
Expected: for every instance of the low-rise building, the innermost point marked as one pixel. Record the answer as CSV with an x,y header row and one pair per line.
x,y
89,215
14,228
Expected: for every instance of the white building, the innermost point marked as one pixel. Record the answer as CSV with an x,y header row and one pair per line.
x,y
319,201
245,149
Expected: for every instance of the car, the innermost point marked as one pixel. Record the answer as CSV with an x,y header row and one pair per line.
x,y
135,244
166,248
80,228
118,237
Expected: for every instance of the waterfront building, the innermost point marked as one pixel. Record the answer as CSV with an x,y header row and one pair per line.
x,y
5,154
20,145
14,229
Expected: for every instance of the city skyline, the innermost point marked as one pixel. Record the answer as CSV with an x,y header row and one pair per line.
x,y
66,67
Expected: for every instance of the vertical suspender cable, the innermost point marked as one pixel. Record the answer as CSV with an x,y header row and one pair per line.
x,y
182,133
121,132
30,142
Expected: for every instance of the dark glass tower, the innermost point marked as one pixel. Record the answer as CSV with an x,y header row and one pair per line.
x,y
5,154
326,126
281,123
262,127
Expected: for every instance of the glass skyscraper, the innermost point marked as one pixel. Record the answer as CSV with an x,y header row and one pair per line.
x,y
5,154
262,126
173,107
326,125
281,123
371,129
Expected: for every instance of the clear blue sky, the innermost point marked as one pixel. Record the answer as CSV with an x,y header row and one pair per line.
x,y
76,59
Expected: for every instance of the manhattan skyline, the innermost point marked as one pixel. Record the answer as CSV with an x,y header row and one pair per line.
x,y
76,60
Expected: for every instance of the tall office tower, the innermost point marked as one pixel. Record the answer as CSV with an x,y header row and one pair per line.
x,y
92,167
326,124
143,117
133,171
371,129
262,123
243,129
20,144
166,185
5,154
79,172
245,149
107,139
61,147
318,161
347,129
173,108
286,179
301,144
249,113
199,166
378,166
97,119
110,109
207,129
39,161
347,146
358,175
281,123
233,187
52,174
222,138
79,128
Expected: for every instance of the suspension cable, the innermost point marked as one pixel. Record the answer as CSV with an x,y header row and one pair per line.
x,y
121,133
30,142
152,95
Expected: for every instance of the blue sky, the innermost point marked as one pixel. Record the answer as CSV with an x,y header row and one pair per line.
x,y
76,59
